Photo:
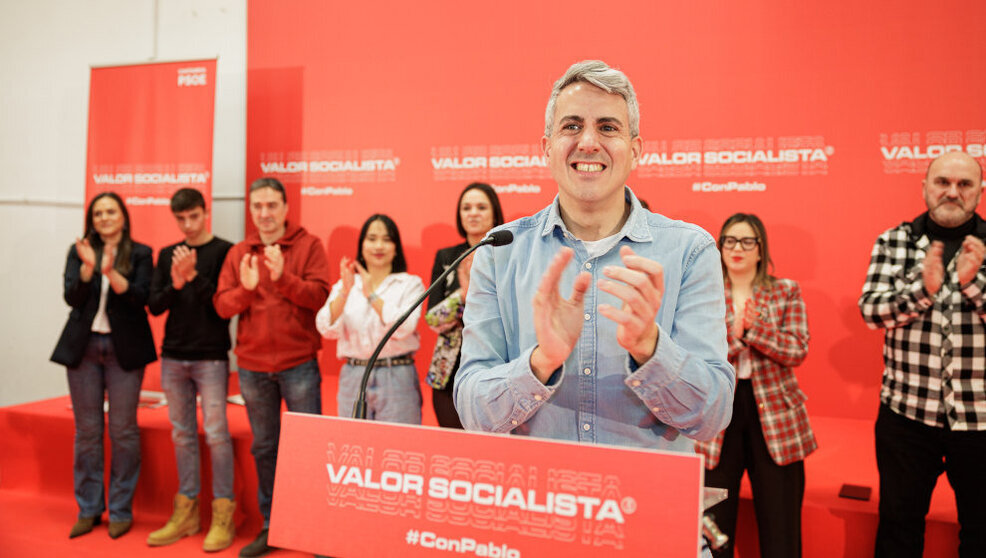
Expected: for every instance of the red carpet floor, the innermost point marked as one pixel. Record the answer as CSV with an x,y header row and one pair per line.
x,y
37,507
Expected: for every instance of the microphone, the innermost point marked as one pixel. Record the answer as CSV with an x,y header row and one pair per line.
x,y
497,238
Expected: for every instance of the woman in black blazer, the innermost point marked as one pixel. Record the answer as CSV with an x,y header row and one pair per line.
x,y
105,345
477,212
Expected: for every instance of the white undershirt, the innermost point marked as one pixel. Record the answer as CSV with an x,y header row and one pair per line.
x,y
744,368
101,323
744,363
599,247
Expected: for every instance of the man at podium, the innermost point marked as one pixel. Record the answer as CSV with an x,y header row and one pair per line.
x,y
636,355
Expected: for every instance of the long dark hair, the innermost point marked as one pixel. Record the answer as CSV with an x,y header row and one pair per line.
x,y
126,246
763,276
490,195
399,264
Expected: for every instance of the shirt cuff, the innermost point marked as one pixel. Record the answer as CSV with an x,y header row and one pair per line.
x,y
527,389
974,290
660,370
922,299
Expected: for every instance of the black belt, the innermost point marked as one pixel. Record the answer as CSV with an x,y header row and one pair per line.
x,y
383,362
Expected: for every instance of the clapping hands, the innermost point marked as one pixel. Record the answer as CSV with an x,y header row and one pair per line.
x,y
183,261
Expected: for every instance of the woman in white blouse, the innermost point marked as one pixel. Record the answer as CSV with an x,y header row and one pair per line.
x,y
371,294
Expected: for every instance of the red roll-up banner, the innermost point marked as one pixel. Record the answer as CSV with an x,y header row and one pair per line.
x,y
150,134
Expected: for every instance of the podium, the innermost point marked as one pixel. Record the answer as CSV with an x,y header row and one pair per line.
x,y
348,487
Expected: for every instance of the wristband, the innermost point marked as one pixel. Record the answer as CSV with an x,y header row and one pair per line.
x,y
372,297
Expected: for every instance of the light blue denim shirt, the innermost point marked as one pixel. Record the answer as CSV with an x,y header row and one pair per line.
x,y
600,395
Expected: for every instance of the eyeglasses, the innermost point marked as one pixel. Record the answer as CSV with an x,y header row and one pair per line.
x,y
747,242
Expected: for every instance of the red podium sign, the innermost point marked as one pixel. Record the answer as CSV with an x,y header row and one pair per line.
x,y
359,488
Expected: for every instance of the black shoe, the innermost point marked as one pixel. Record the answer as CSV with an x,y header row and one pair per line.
x,y
258,547
84,525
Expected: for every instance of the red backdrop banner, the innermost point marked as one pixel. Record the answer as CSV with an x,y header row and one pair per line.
x,y
150,134
819,118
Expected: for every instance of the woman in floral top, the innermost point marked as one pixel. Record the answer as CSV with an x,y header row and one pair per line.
x,y
477,212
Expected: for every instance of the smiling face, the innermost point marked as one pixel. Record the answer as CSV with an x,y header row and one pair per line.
x,y
737,260
952,189
476,214
107,219
590,150
378,248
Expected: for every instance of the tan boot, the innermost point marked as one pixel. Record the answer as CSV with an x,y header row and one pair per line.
x,y
184,522
222,531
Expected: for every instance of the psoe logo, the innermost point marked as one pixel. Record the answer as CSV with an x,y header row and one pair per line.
x,y
192,77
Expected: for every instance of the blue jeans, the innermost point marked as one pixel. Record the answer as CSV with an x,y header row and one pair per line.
x,y
393,393
300,387
99,373
182,380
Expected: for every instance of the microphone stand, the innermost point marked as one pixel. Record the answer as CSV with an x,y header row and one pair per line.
x,y
359,407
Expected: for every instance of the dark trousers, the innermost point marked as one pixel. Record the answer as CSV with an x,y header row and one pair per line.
x,y
910,457
444,405
778,490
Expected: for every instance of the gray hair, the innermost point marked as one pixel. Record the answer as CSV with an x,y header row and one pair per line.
x,y
608,79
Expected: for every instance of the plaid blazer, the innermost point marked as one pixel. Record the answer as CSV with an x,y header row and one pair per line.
x,y
778,342
934,349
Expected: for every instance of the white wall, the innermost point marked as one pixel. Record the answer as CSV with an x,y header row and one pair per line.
x,y
46,49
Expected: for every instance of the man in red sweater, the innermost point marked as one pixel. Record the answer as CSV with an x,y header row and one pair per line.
x,y
275,280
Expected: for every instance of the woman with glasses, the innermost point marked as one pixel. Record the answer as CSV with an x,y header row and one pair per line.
x,y
371,294
769,435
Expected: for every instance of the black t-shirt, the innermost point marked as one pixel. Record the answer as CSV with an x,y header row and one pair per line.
x,y
193,330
